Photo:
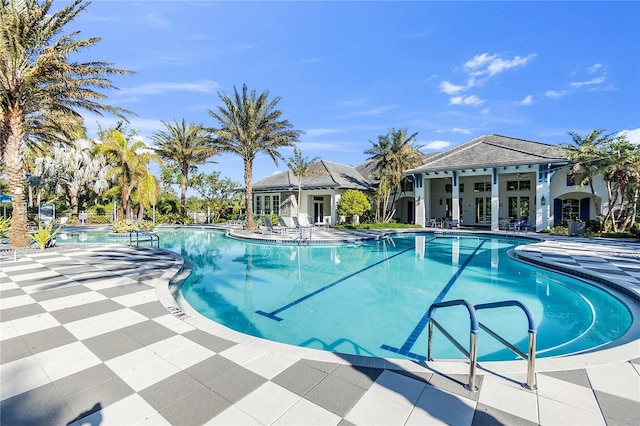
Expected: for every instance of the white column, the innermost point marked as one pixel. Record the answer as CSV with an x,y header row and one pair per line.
x,y
455,193
495,200
543,212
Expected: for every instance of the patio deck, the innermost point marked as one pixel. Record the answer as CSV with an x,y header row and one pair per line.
x,y
92,335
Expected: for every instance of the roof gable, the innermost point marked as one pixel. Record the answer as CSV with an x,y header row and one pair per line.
x,y
327,175
491,151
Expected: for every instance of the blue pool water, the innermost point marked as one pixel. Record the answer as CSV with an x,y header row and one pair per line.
x,y
369,298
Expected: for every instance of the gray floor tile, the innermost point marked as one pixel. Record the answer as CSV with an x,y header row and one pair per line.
x,y
31,267
21,312
577,377
13,349
150,310
209,341
335,395
170,390
300,378
360,376
489,416
148,332
200,407
50,338
122,290
455,383
59,292
83,380
345,422
11,293
236,384
113,344
97,397
211,368
88,310
327,367
618,411
40,406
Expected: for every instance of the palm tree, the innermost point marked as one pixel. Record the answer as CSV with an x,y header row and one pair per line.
x,y
301,168
129,160
394,153
186,146
40,88
74,167
250,124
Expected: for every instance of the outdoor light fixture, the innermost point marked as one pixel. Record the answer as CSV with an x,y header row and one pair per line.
x,y
440,201
543,201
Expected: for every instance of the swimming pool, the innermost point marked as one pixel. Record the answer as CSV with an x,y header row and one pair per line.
x,y
368,298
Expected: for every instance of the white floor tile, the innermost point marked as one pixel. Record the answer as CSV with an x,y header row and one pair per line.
x,y
148,374
270,364
128,411
242,354
71,301
12,302
137,298
398,388
268,402
307,413
20,376
233,416
509,397
180,351
104,323
34,323
436,406
554,412
569,394
373,409
66,360
174,323
619,379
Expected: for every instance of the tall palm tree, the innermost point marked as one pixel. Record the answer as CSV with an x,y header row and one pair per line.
x,y
301,168
250,124
129,159
394,153
40,88
186,146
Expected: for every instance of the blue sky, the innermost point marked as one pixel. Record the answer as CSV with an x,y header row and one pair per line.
x,y
346,72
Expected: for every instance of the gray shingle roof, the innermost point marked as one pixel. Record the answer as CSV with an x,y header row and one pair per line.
x,y
328,175
491,151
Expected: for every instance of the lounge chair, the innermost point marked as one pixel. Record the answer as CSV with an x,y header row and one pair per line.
x,y
269,227
283,225
63,221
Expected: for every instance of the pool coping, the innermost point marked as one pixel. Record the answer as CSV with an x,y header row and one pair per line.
x,y
625,348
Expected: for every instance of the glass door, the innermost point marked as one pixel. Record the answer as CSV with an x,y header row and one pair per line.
x,y
483,209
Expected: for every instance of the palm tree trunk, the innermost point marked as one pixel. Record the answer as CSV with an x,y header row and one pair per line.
x,y
248,175
14,157
183,193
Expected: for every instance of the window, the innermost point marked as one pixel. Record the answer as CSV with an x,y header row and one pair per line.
x,y
570,209
518,185
267,204
482,187
448,188
407,185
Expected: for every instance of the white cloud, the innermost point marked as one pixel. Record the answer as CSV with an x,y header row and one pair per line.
x,y
632,135
462,131
491,65
554,94
472,100
593,81
594,68
319,132
450,88
204,86
526,101
485,111
437,145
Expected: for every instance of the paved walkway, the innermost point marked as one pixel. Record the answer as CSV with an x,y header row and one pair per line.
x,y
92,335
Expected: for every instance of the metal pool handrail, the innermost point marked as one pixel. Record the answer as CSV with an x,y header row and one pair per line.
x,y
472,354
148,236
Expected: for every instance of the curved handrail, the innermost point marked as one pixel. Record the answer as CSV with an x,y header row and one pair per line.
x,y
503,303
474,328
151,237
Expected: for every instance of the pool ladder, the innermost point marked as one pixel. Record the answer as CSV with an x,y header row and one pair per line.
x,y
475,325
137,236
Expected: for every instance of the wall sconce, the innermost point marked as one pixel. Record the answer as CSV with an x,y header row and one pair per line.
x,y
543,201
440,201
418,199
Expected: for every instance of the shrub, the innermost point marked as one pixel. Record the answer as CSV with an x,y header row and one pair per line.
x,y
353,202
43,235
127,225
5,227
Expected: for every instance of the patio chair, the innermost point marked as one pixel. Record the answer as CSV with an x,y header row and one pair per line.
x,y
283,225
269,227
453,224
